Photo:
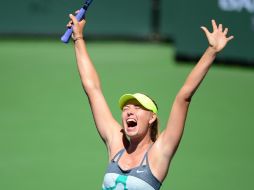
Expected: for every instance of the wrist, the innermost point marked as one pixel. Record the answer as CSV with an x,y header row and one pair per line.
x,y
78,38
212,51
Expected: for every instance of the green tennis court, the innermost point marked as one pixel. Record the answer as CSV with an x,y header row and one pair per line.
x,y
47,136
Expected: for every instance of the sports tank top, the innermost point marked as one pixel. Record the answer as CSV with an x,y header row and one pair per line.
x,y
138,178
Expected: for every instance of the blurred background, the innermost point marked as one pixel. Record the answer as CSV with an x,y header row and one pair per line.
x,y
47,135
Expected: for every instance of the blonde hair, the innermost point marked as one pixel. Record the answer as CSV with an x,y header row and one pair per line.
x,y
154,131
155,128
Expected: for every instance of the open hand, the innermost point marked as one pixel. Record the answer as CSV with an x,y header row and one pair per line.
x,y
218,38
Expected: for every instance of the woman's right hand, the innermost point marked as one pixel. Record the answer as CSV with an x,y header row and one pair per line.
x,y
77,26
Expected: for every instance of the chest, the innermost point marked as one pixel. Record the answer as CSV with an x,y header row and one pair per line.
x,y
128,162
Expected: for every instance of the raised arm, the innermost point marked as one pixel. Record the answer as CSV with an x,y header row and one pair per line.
x,y
107,126
169,140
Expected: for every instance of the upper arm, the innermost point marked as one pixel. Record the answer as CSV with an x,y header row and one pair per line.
x,y
172,135
165,146
108,128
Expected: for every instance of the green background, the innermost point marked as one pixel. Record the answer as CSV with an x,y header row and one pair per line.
x,y
191,15
49,17
48,139
178,21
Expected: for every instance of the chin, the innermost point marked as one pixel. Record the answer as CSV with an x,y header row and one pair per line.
x,y
131,132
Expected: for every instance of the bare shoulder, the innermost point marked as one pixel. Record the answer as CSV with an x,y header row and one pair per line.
x,y
159,160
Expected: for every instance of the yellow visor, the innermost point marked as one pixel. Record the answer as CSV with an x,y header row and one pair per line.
x,y
141,98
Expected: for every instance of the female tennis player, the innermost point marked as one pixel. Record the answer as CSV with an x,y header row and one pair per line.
x,y
139,158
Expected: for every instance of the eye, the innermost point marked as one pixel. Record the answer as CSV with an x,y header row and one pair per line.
x,y
125,108
137,107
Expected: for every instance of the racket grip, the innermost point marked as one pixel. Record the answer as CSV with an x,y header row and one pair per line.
x,y
66,37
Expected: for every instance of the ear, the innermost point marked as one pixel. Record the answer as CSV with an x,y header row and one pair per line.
x,y
153,118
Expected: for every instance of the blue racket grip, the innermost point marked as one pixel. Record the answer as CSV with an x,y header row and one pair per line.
x,y
66,37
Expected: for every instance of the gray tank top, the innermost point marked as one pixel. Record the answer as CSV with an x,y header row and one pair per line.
x,y
138,178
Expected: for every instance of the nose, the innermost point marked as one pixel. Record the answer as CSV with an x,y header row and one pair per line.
x,y
130,111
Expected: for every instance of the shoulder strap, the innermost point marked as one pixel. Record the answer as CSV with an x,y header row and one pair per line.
x,y
145,158
118,155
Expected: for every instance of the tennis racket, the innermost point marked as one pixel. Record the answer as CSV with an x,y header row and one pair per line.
x,y
81,14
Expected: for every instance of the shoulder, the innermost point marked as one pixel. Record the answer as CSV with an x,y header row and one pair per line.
x,y
158,161
118,143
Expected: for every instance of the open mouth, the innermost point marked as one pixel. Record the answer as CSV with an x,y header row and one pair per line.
x,y
131,123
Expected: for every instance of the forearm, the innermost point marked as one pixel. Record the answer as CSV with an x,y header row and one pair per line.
x,y
198,73
89,77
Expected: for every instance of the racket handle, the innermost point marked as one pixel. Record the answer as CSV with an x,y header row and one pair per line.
x,y
66,37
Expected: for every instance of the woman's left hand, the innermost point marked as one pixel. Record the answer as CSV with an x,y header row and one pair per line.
x,y
218,38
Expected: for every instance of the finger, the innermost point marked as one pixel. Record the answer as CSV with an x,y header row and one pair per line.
x,y
69,24
83,22
225,31
73,18
220,27
76,12
230,38
214,25
205,30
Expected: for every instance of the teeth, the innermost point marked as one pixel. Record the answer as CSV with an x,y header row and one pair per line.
x,y
131,120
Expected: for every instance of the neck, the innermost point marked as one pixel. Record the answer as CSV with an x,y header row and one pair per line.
x,y
139,144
